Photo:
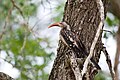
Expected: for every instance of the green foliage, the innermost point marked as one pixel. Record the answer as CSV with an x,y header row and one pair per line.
x,y
28,8
25,60
102,76
4,8
23,51
112,22
59,12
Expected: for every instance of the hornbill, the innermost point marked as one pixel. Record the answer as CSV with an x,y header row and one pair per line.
x,y
71,40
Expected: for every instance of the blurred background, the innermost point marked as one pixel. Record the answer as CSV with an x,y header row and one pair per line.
x,y
28,48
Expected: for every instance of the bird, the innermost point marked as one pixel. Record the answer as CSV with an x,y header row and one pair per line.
x,y
71,40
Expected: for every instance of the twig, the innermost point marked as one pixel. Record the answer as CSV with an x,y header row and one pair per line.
x,y
101,10
24,43
3,32
108,31
7,61
14,4
6,21
108,60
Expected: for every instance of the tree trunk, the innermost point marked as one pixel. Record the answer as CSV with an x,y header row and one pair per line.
x,y
4,76
116,62
83,17
114,8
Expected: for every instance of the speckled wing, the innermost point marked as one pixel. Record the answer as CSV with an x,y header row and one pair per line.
x,y
71,40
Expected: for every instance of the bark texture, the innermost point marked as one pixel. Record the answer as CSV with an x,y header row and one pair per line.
x,y
83,17
4,76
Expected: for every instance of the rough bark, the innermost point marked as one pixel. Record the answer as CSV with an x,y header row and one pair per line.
x,y
4,76
83,18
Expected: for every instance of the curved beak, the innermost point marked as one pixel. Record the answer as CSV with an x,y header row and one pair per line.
x,y
55,24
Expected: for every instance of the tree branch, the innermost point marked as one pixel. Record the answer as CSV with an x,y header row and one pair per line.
x,y
108,60
6,22
101,10
14,5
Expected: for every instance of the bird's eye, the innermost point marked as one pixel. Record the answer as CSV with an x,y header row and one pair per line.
x,y
60,22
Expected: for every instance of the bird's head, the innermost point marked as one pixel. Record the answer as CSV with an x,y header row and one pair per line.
x,y
60,24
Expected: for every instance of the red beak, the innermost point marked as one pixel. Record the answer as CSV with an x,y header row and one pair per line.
x,y
55,24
